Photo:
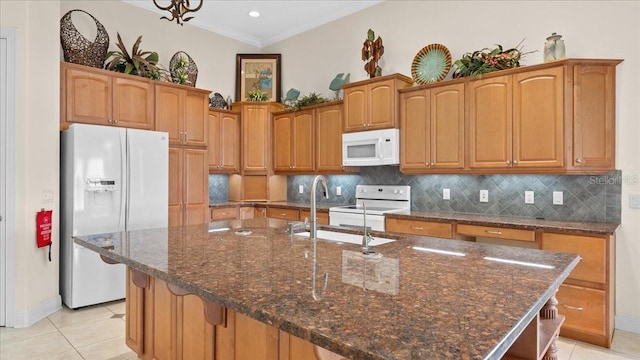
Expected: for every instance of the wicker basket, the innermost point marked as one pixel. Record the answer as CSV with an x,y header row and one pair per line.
x,y
77,49
190,70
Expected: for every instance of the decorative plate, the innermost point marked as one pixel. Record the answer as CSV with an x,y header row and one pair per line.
x,y
431,64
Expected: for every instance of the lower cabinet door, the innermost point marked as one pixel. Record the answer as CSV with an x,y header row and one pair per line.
x,y
584,309
196,337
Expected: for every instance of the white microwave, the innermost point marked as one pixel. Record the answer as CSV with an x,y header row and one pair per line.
x,y
371,148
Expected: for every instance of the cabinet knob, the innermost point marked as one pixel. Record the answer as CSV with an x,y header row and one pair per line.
x,y
432,164
579,160
515,162
508,162
109,120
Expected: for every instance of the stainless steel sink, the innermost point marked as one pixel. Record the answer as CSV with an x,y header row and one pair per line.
x,y
346,238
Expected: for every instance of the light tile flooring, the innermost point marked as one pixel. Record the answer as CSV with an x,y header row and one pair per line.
x,y
97,333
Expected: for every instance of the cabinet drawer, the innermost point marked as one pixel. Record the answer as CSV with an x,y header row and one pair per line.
x,y
592,250
323,217
496,232
224,213
584,308
283,213
417,227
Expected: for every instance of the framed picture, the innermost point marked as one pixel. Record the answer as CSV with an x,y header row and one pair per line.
x,y
258,72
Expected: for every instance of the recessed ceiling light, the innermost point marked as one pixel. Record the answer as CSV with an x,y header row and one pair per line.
x,y
254,14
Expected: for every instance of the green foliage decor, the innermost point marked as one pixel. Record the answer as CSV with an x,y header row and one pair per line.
x,y
257,95
487,60
142,63
308,100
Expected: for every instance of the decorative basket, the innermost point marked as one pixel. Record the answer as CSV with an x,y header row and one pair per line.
x,y
77,49
183,69
217,101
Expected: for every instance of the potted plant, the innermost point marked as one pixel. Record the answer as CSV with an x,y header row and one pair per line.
x,y
141,63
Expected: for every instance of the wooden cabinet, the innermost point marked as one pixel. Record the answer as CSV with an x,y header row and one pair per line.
x,y
593,116
496,232
586,297
432,129
322,216
328,138
260,212
419,227
188,186
517,121
246,212
373,104
183,113
224,141
100,97
283,213
293,141
226,213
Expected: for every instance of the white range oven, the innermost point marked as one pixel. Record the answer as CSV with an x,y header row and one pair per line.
x,y
377,200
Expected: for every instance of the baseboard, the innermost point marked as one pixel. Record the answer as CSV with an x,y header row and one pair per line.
x,y
628,323
27,318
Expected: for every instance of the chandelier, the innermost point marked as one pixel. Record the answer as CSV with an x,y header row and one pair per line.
x,y
178,9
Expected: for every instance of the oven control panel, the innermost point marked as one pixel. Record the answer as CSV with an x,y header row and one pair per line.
x,y
384,192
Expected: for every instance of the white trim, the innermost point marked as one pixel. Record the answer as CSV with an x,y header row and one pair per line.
x,y
628,323
27,318
10,35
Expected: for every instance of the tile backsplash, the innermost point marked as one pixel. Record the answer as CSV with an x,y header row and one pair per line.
x,y
218,188
593,198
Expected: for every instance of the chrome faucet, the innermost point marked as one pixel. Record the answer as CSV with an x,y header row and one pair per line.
x,y
314,218
314,235
366,238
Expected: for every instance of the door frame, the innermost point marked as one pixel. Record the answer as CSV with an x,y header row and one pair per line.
x,y
8,131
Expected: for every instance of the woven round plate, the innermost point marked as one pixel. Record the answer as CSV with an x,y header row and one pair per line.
x,y
431,64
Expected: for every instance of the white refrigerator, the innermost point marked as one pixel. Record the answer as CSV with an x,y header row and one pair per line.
x,y
112,179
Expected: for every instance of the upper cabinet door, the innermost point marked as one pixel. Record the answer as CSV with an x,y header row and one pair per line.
x,y
303,141
447,127
214,155
329,138
382,105
87,97
282,129
170,112
230,142
255,137
356,108
414,131
196,126
133,103
490,122
538,118
593,117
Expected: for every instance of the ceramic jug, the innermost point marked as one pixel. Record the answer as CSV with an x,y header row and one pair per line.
x,y
554,48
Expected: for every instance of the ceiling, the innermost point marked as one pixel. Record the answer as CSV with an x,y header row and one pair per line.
x,y
278,20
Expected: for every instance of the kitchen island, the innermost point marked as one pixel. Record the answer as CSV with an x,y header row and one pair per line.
x,y
420,298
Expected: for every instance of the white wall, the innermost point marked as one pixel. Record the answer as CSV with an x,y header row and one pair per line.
x,y
37,148
215,55
591,29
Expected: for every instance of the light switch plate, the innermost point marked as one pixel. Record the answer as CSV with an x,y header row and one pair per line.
x,y
301,189
446,194
338,190
634,201
484,195
47,196
529,197
558,198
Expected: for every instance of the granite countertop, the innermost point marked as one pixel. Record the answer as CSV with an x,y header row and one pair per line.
x,y
462,218
406,304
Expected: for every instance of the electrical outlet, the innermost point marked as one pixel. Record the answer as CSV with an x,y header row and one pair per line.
x,y
558,198
47,196
529,197
484,195
338,190
446,194
301,189
634,201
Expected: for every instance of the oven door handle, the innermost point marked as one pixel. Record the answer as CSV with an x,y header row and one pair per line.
x,y
354,227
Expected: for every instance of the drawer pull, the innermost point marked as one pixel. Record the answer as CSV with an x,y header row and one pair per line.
x,y
417,227
493,232
573,307
283,214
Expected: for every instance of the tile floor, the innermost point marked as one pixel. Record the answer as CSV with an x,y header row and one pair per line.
x,y
97,333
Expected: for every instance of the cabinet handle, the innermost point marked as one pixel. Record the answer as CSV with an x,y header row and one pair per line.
x,y
417,227
493,232
515,162
283,214
109,120
115,121
579,160
432,164
508,162
573,307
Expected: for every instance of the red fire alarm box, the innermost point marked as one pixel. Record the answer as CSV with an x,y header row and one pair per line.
x,y
44,229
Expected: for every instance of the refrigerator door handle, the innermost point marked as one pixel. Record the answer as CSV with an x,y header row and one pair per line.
x,y
124,166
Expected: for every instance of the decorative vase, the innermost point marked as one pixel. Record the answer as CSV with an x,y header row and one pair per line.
x,y
554,48
183,69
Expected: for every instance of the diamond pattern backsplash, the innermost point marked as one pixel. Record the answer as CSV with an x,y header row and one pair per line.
x,y
218,188
593,198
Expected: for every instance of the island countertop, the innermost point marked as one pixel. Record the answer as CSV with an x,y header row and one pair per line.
x,y
408,303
